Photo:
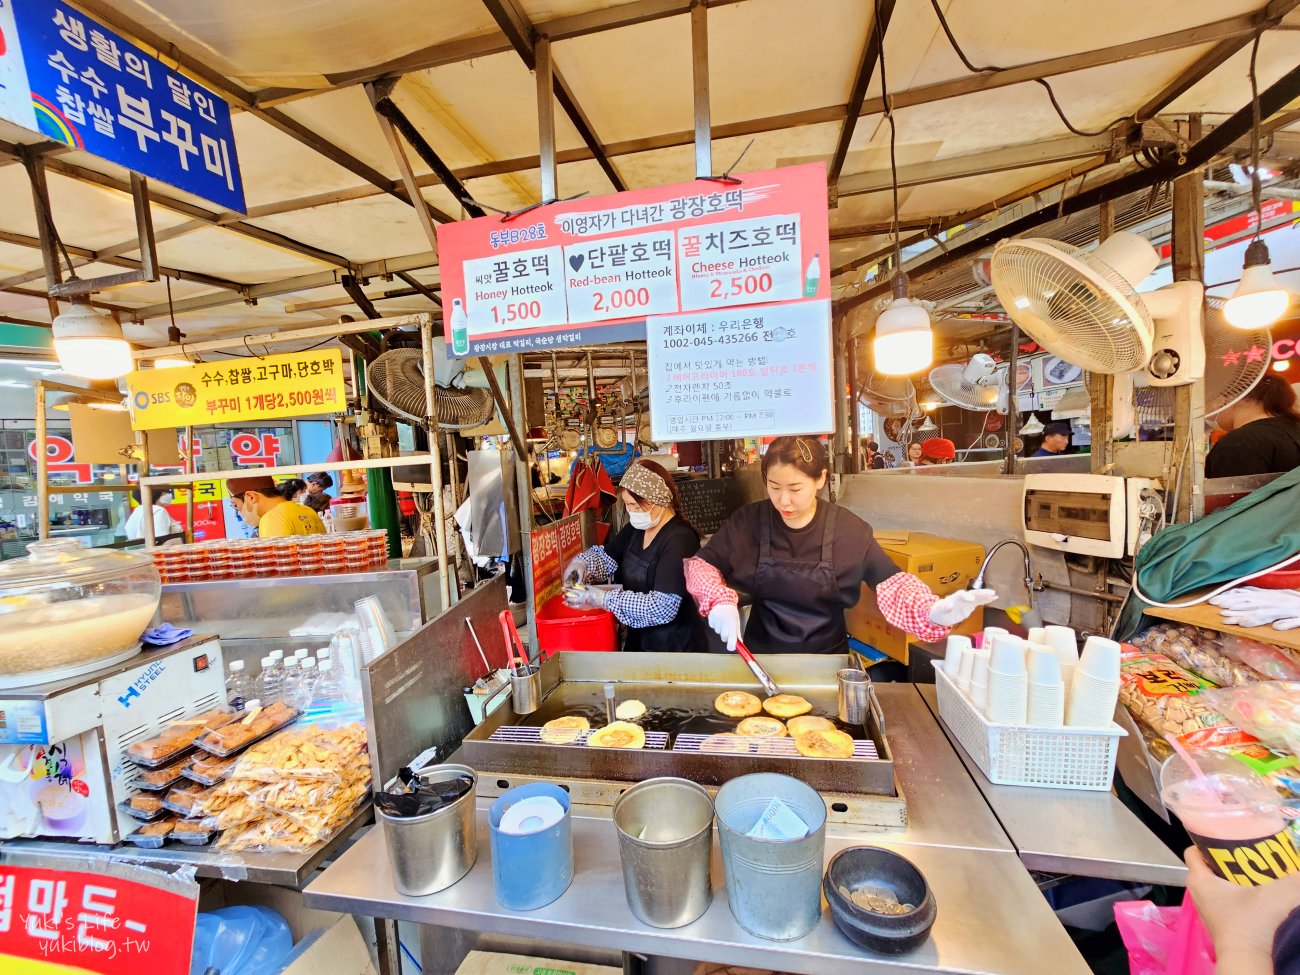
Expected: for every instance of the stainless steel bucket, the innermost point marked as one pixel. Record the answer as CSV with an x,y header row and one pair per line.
x,y
665,838
429,853
854,695
526,688
774,887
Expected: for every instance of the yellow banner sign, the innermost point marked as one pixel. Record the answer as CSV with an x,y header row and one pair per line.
x,y
266,388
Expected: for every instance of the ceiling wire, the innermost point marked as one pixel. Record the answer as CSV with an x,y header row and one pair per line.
x,y
889,116
1256,190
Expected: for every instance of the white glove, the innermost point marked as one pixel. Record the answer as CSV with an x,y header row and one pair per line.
x,y
585,598
1253,606
575,572
724,619
951,610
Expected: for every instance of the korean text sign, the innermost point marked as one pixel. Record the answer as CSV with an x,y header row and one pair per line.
x,y
78,82
294,384
591,270
749,372
67,920
551,549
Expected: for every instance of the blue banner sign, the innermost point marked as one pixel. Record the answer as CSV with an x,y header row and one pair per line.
x,y
74,80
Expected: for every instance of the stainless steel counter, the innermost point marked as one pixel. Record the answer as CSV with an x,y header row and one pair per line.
x,y
279,869
1067,831
983,890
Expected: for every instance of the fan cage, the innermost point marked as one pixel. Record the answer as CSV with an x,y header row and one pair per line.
x,y
1235,359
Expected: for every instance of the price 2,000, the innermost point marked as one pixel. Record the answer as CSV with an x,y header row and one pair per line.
x,y
740,285
624,298
516,311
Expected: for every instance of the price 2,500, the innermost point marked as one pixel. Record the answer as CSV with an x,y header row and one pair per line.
x,y
740,285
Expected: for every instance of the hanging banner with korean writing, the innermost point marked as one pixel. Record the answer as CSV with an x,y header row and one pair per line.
x,y
269,387
118,920
589,271
67,76
752,372
551,547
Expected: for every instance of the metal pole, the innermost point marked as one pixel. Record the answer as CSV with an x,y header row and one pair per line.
x,y
700,76
146,492
189,469
435,468
1101,387
1188,261
839,458
545,75
523,481
1013,405
42,466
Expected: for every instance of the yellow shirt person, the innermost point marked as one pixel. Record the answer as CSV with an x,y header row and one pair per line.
x,y
262,506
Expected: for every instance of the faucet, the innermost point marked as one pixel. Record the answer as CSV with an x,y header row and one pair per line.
x,y
1031,587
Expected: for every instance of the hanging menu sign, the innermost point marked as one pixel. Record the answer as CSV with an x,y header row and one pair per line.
x,y
751,372
591,270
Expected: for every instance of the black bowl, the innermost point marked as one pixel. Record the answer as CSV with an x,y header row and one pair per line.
x,y
870,866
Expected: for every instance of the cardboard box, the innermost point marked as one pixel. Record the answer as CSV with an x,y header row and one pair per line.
x,y
498,963
944,564
337,950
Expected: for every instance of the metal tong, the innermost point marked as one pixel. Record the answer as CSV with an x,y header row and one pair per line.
x,y
756,668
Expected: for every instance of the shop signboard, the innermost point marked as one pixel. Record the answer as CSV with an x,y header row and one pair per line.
x,y
118,920
591,270
268,387
74,80
749,372
551,548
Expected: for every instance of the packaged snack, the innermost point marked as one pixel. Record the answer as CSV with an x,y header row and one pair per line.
x,y
150,836
253,726
193,832
182,798
144,806
208,769
1269,710
1163,696
176,738
1199,651
1275,663
158,779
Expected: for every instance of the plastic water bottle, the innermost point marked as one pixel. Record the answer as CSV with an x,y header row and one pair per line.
x,y
269,685
292,682
328,695
310,677
301,653
459,328
346,654
237,685
277,656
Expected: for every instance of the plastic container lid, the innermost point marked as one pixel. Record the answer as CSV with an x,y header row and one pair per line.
x,y
1233,788
66,561
301,652
236,666
308,663
276,655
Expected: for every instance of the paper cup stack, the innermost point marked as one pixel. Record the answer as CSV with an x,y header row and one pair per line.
x,y
1095,689
1008,687
1062,639
979,678
1046,691
957,660
987,637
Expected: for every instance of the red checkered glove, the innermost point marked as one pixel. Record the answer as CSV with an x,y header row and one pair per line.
x,y
905,602
705,583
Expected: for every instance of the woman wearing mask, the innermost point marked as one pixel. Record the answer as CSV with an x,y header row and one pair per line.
x,y
646,558
802,561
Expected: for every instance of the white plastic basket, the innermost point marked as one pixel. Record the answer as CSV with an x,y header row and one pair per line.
x,y
1049,758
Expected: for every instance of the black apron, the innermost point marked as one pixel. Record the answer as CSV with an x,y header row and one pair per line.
x,y
683,633
797,606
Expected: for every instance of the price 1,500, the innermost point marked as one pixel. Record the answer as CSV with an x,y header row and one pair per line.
x,y
616,300
520,311
740,285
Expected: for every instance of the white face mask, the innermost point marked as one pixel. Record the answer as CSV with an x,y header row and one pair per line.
x,y
641,519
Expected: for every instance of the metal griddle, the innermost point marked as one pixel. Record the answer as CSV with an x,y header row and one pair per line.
x,y
679,689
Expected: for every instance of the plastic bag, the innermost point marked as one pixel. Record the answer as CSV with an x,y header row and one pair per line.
x,y
1163,696
241,941
1269,710
1165,940
1200,651
1275,663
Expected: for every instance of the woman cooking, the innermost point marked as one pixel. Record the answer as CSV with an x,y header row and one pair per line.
x,y
802,561
646,557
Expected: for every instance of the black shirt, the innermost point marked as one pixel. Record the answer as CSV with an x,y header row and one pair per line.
x,y
1286,946
1268,446
675,542
733,551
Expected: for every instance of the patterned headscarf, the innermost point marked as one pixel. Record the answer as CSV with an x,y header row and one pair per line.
x,y
645,483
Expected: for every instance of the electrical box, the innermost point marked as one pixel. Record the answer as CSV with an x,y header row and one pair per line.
x,y
1086,514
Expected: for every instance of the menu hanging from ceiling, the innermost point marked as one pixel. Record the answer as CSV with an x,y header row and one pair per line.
x,y
74,80
592,270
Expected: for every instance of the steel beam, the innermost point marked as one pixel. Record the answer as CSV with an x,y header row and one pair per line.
x,y
882,11
403,167
147,272
544,75
523,38
700,89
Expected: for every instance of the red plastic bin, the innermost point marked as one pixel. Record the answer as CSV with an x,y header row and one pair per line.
x,y
560,627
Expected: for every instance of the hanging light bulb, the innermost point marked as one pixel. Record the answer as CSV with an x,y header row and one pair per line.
x,y
931,401
1259,299
90,344
928,426
904,343
1033,426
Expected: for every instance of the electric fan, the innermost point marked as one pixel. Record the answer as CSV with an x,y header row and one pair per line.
x,y
889,395
979,385
1236,359
1083,307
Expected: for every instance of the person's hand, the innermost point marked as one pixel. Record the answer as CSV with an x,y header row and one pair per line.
x,y
575,573
1242,921
1253,606
585,598
951,610
724,619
